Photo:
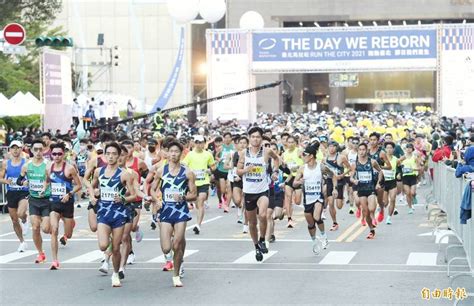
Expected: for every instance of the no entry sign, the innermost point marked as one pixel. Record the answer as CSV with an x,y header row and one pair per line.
x,y
14,34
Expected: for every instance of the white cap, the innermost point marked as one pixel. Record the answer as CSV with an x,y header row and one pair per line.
x,y
199,138
16,143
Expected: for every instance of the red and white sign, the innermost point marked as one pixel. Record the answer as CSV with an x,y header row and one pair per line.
x,y
14,34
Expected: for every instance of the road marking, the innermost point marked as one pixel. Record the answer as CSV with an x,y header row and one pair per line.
x,y
15,256
158,239
204,222
348,231
422,259
6,234
161,258
337,258
87,257
438,235
356,234
249,258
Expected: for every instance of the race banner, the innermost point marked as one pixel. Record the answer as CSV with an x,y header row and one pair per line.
x,y
340,49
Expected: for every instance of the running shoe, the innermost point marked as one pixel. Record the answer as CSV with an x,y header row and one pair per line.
x,y
241,219
272,238
371,235
317,246
323,215
258,254
351,211
25,227
263,247
168,266
363,222
116,280
226,208
415,200
380,216
245,229
54,265
131,258
40,258
153,225
138,235
22,247
334,227
219,205
213,191
395,212
197,229
78,206
177,281
233,205
358,213
181,270
389,220
63,240
325,241
374,223
104,268
147,206
291,224
121,274
411,211
206,205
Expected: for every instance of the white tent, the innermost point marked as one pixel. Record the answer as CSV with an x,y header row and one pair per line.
x,y
20,105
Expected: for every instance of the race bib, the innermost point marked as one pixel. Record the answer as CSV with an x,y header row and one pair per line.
x,y
58,189
200,175
36,185
406,170
365,176
312,188
256,173
108,194
170,193
292,165
13,185
389,175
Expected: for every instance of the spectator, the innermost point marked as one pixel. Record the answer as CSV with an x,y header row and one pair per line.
x,y
466,165
76,112
445,151
102,113
89,118
130,109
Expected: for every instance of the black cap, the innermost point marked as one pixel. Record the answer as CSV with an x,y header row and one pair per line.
x,y
410,145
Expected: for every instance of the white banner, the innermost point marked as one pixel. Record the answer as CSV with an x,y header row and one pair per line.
x,y
457,71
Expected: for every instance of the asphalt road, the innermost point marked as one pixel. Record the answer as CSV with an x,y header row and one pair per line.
x,y
220,266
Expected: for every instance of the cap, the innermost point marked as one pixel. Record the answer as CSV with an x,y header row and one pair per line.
x,y
198,138
410,145
152,141
16,143
323,139
311,149
333,143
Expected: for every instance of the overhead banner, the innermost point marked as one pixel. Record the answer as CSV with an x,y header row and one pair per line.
x,y
457,70
341,49
56,90
229,71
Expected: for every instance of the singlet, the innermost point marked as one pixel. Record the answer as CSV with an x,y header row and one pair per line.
x,y
292,160
313,182
376,157
136,167
233,172
389,175
408,166
365,176
110,186
333,166
60,184
36,178
172,185
226,150
199,163
255,182
352,157
13,172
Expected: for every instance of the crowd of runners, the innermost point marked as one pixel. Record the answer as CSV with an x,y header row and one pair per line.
x,y
361,163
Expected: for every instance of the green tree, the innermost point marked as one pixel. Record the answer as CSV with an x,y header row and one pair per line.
x,y
22,72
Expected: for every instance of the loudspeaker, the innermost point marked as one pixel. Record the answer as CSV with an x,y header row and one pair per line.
x,y
100,39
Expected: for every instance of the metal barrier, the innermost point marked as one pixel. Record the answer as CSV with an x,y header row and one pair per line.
x,y
447,193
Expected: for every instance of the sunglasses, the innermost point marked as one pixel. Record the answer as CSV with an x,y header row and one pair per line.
x,y
57,154
37,149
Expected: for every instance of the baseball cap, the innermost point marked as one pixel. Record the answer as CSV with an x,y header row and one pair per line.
x,y
16,143
311,149
199,138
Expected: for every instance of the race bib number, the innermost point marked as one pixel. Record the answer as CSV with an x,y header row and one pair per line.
x,y
13,185
58,189
312,188
365,176
389,174
292,166
108,194
170,194
36,185
407,170
200,175
256,172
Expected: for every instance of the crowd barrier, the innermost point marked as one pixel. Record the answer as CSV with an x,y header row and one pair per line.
x,y
447,192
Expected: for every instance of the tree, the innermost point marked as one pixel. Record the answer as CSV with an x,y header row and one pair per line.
x,y
22,72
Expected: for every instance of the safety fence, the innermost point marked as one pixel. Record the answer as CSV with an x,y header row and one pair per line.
x,y
448,193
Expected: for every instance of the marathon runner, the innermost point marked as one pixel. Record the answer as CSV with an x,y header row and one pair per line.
x,y
222,151
17,195
292,161
390,181
410,165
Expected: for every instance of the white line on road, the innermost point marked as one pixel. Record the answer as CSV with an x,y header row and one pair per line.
x,y
422,259
249,258
87,257
6,234
204,222
187,239
161,258
15,256
337,258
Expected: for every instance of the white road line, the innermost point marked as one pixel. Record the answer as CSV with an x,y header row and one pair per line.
x,y
337,258
249,258
87,257
6,234
161,258
422,259
15,256
187,239
204,222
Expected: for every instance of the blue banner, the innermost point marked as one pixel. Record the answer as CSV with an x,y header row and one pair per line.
x,y
173,79
356,45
